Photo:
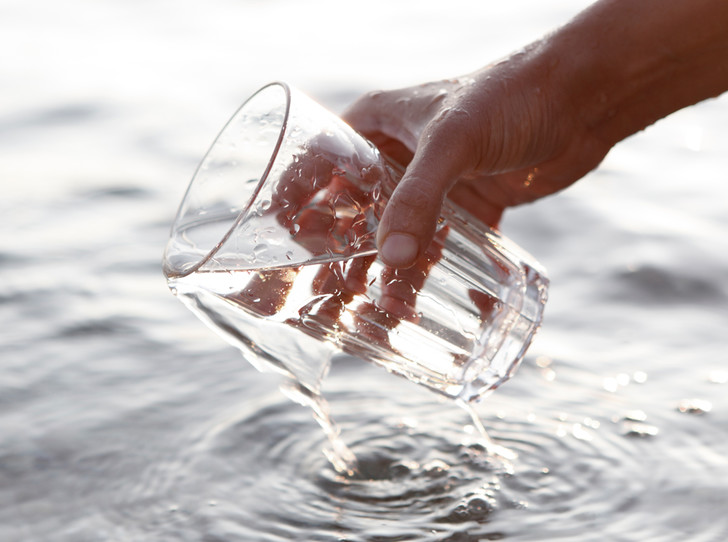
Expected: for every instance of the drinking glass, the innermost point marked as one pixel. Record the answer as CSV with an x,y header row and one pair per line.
x,y
274,247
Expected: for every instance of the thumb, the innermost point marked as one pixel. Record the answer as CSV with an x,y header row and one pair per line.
x,y
410,218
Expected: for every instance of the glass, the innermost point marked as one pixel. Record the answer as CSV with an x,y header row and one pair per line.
x,y
274,247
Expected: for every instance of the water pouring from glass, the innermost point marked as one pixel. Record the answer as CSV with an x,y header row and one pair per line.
x,y
274,247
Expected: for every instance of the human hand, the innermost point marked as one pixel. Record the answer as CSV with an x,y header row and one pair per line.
x,y
326,205
321,206
500,137
542,118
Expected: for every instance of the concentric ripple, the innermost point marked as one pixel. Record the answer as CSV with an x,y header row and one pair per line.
x,y
413,481
602,470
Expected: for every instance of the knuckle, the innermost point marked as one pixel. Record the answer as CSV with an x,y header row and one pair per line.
x,y
417,201
418,195
456,132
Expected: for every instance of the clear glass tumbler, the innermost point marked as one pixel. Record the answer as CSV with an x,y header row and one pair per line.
x,y
273,246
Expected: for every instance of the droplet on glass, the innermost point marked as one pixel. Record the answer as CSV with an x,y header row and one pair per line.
x,y
259,250
376,192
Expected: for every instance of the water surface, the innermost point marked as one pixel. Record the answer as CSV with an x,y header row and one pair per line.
x,y
123,418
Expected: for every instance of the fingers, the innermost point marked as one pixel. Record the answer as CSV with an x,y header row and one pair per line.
x,y
333,288
445,152
306,176
266,291
388,115
489,195
326,209
327,200
424,127
400,287
397,153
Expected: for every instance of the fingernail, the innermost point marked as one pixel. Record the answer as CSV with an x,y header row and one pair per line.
x,y
399,250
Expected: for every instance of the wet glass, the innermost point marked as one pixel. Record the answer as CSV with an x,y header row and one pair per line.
x,y
274,247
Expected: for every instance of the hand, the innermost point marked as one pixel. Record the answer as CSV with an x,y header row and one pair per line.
x,y
493,139
324,206
542,118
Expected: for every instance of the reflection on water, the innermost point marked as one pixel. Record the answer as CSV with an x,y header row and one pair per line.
x,y
122,418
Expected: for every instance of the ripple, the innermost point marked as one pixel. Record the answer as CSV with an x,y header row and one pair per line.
x,y
412,481
601,471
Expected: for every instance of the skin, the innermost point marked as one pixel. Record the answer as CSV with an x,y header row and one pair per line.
x,y
507,134
539,120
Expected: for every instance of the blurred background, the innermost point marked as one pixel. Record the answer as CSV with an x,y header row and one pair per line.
x,y
123,418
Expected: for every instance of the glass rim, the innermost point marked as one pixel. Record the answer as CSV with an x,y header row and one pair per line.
x,y
261,181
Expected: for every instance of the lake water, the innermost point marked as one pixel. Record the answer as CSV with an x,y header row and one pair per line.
x,y
122,418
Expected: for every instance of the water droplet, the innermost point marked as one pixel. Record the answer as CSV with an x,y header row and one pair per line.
x,y
259,250
376,192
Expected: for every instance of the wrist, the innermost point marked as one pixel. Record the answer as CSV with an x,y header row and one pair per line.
x,y
623,64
